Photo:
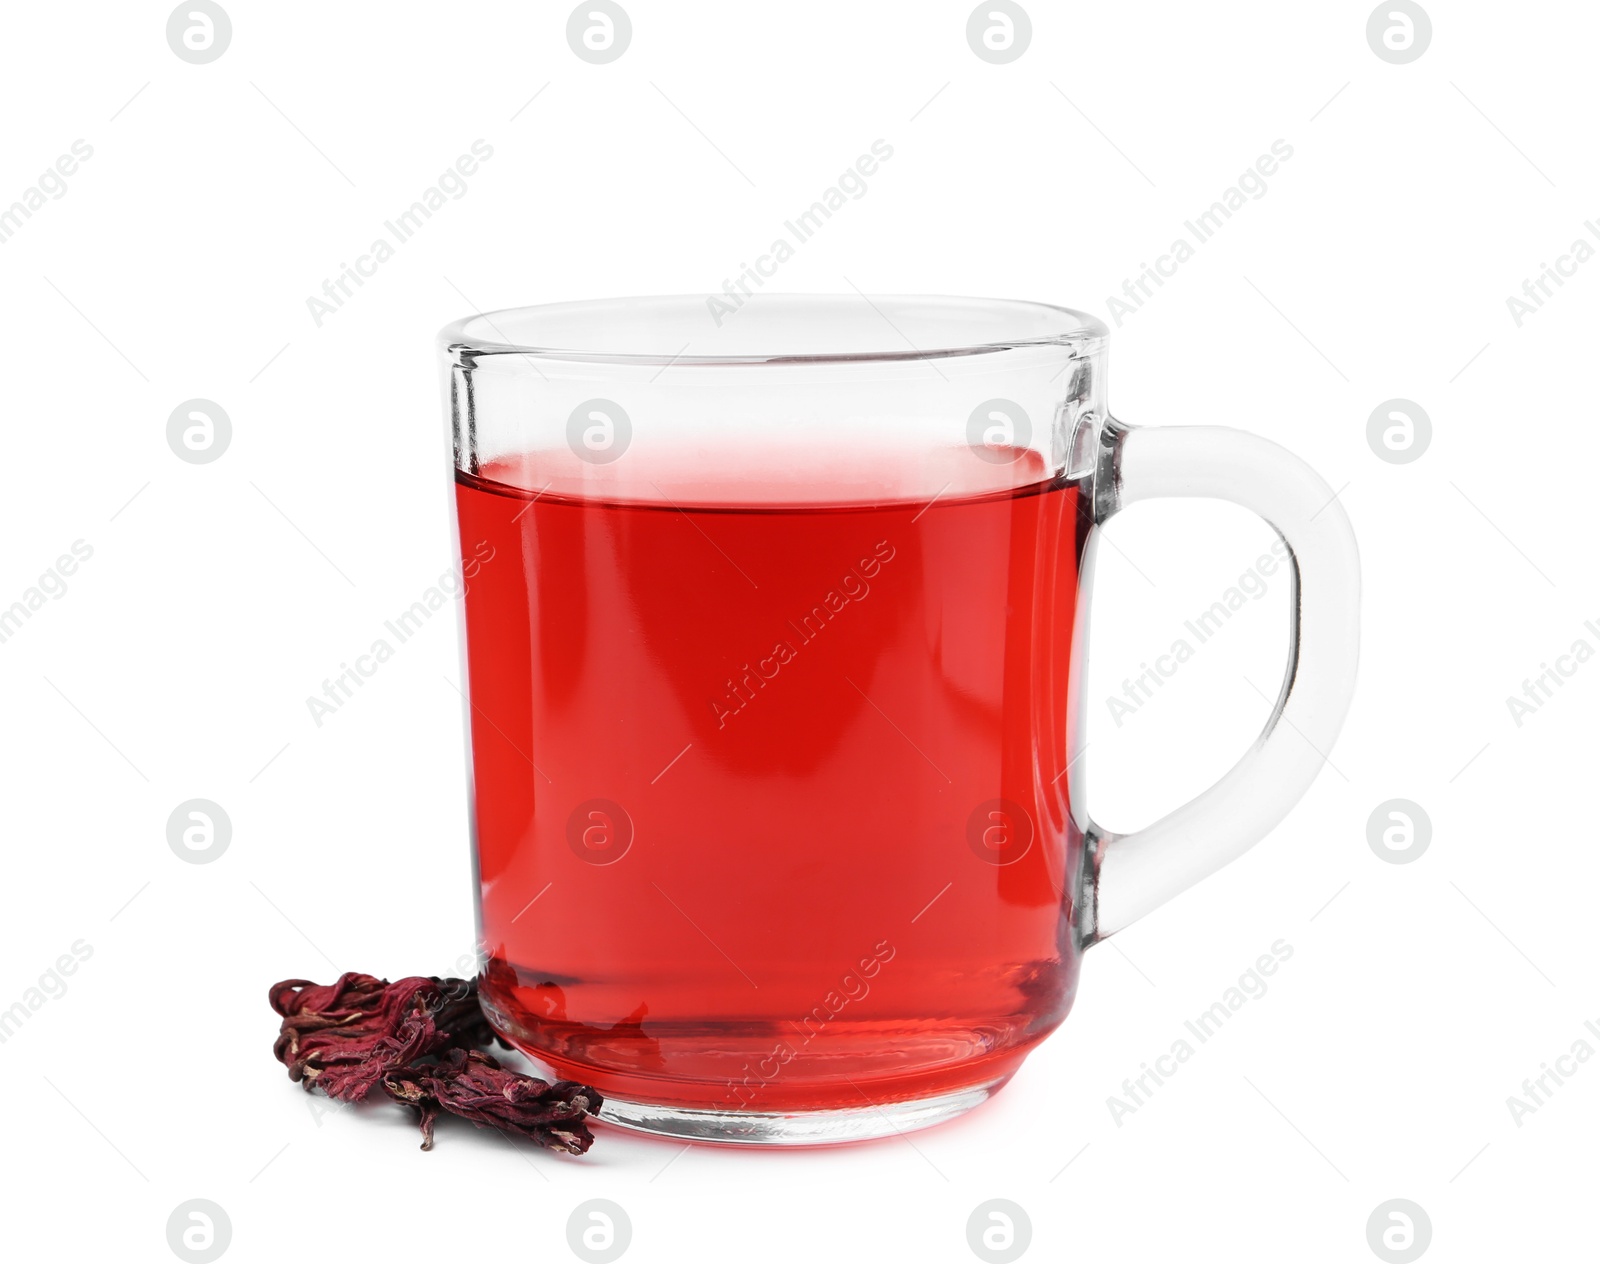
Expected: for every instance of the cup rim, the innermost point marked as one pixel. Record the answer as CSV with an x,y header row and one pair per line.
x,y
642,330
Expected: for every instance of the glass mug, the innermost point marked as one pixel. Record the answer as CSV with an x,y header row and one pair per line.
x,y
775,625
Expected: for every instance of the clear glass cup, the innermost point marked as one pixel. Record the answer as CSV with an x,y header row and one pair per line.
x,y
775,629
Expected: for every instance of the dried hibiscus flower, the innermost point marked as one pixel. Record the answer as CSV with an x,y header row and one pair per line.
x,y
474,1086
418,1039
342,1037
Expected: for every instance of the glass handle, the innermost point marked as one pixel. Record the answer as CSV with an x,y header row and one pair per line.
x,y
1131,874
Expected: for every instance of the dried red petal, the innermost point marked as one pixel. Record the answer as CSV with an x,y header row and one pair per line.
x,y
342,1037
419,1038
475,1086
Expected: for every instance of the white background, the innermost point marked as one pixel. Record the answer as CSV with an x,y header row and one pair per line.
x,y
177,663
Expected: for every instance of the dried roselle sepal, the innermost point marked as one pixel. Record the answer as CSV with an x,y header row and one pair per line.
x,y
475,1086
342,1037
405,1086
418,1037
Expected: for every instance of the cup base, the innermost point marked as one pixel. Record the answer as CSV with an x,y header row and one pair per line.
x,y
797,1127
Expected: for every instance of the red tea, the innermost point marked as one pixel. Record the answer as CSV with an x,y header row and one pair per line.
x,y
770,801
